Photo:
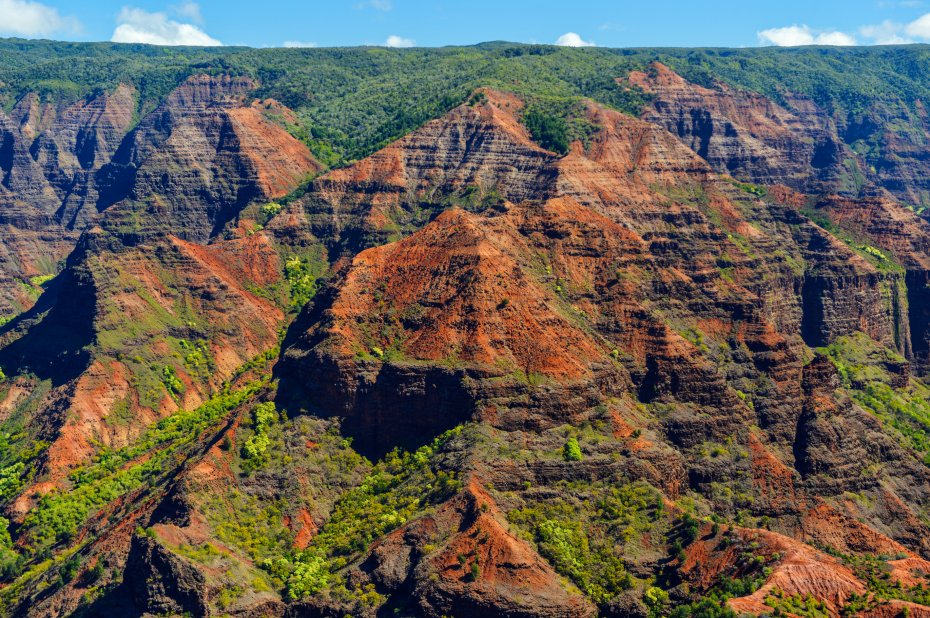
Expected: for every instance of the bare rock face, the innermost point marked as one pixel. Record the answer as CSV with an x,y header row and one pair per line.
x,y
72,146
511,579
895,233
136,304
749,136
49,156
796,143
162,582
194,162
188,167
464,156
442,299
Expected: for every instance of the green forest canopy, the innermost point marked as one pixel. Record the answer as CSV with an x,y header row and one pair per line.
x,y
351,101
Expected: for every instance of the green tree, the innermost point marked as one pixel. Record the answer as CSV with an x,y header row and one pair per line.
x,y
572,451
550,132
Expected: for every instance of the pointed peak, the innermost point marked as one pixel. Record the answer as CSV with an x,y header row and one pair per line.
x,y
485,97
657,75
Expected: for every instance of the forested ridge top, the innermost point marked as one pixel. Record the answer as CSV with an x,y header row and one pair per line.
x,y
354,100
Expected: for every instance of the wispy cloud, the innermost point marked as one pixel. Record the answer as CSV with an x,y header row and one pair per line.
x,y
885,33
300,44
907,4
30,19
378,5
188,10
895,33
573,39
791,36
399,41
139,26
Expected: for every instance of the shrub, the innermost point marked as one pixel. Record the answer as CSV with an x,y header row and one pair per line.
x,y
309,577
572,451
299,275
264,415
656,600
269,210
171,381
255,447
69,569
565,545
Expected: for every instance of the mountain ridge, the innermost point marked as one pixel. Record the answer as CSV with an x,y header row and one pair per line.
x,y
677,369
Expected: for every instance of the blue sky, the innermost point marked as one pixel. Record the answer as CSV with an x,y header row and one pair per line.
x,y
400,23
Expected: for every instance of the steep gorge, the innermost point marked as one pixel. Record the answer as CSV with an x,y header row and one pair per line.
x,y
682,360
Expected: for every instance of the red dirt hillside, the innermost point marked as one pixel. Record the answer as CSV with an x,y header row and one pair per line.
x,y
536,357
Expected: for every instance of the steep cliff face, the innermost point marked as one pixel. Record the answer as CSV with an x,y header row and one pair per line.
x,y
757,140
749,136
476,151
49,156
197,160
71,146
141,325
892,135
617,379
895,239
188,167
796,143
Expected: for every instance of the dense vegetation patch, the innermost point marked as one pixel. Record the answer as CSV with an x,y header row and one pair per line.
x,y
352,101
586,540
397,488
863,366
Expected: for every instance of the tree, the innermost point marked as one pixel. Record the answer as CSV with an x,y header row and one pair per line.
x,y
550,132
572,451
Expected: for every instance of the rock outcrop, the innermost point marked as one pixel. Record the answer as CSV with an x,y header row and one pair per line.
x,y
157,316
749,136
194,162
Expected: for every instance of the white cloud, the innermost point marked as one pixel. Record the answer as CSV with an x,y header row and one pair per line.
x,y
790,36
139,26
188,10
399,41
25,18
894,33
885,33
835,38
919,28
299,44
787,36
572,39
